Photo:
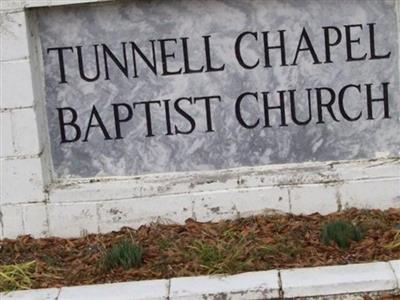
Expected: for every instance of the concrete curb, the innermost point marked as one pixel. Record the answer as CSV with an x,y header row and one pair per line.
x,y
303,282
357,278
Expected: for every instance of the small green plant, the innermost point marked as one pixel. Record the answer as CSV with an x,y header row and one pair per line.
x,y
221,257
17,276
163,244
126,254
286,249
50,261
209,255
341,232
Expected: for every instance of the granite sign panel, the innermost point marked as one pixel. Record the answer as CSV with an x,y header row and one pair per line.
x,y
141,87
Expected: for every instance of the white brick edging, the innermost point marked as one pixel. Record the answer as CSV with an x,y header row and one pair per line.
x,y
333,280
254,285
303,282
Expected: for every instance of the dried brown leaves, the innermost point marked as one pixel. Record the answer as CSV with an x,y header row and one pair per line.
x,y
256,243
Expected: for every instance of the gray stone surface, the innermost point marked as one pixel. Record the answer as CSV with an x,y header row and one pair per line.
x,y
230,145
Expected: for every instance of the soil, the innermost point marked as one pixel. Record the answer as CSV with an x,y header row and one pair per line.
x,y
233,246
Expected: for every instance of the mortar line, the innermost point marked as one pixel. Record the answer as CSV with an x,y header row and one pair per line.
x,y
169,289
281,294
58,294
394,274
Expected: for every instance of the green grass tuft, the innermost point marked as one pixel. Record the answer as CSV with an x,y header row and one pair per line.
x,y
220,257
341,232
126,254
209,255
17,276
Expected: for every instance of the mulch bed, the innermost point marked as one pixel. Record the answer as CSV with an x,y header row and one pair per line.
x,y
248,244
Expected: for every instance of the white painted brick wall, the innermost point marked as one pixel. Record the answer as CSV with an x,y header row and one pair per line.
x,y
136,212
313,198
16,82
215,206
68,220
71,218
34,217
19,133
24,219
381,194
21,181
7,147
12,221
13,35
388,168
25,132
21,169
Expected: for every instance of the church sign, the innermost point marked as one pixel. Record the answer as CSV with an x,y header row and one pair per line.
x,y
142,87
